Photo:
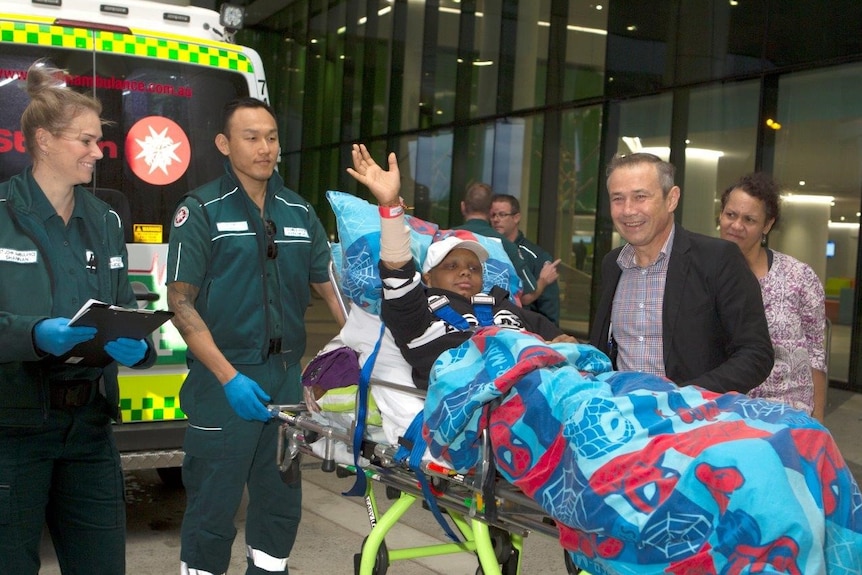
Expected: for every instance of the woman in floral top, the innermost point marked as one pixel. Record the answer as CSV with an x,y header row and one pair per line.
x,y
792,296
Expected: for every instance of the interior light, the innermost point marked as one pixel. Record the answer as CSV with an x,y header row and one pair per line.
x,y
773,124
734,2
586,30
631,27
801,182
573,28
483,63
843,225
808,199
690,153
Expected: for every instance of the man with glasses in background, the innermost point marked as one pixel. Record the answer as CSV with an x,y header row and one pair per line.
x,y
476,209
505,218
243,256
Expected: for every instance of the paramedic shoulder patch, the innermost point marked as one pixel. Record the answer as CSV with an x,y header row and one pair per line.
x,y
181,216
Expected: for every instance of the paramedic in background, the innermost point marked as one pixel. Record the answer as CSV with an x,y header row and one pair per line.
x,y
675,303
59,247
476,209
452,278
243,256
792,295
506,217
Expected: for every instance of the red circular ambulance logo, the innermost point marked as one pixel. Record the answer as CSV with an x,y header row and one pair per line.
x,y
181,216
157,150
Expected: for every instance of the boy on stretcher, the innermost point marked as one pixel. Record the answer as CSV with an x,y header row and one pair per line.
x,y
428,320
642,477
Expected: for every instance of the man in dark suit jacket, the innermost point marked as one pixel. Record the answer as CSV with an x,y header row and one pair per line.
x,y
707,326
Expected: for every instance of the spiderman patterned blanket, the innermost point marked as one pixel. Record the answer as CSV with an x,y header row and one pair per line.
x,y
642,476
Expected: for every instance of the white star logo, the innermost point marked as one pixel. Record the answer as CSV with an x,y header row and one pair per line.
x,y
157,150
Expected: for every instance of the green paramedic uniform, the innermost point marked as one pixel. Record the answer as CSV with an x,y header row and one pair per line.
x,y
58,460
253,300
547,304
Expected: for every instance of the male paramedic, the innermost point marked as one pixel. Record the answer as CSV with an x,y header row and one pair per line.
x,y
428,320
243,252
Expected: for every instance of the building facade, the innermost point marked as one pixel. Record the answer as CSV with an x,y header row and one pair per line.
x,y
534,96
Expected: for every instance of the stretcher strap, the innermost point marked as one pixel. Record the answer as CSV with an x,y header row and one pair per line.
x,y
413,454
360,486
483,310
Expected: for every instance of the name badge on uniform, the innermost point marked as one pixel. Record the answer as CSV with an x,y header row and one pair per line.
x,y
296,232
18,256
232,226
116,262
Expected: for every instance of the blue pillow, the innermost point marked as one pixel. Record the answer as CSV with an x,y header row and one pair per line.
x,y
358,252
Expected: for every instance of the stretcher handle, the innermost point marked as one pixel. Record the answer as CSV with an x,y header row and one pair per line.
x,y
275,408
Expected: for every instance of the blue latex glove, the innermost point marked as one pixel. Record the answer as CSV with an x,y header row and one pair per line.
x,y
247,398
127,351
54,335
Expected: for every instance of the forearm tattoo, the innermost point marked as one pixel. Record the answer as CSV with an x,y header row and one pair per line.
x,y
181,301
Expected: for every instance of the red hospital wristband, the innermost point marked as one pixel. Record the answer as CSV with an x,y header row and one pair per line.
x,y
390,211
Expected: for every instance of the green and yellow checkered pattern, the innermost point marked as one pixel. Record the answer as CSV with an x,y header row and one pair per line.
x,y
147,45
45,35
153,397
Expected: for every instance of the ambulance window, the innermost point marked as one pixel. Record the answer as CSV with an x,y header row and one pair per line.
x,y
164,118
14,62
167,116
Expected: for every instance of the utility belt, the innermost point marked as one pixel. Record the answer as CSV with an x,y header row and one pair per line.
x,y
72,393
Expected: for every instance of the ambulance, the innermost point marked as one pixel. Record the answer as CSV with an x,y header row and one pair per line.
x,y
163,73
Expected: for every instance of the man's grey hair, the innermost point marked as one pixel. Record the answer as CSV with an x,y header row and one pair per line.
x,y
666,170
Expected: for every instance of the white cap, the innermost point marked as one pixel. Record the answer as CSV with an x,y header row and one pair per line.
x,y
438,251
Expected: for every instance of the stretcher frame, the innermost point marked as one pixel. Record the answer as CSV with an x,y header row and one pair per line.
x,y
492,522
492,516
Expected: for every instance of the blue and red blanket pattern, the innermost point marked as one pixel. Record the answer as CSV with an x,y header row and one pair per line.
x,y
643,476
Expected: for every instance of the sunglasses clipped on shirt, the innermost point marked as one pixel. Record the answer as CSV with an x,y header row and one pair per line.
x,y
271,246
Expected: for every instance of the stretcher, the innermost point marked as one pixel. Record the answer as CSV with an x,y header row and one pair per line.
x,y
491,517
631,473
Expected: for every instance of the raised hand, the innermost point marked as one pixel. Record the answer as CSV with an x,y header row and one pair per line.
x,y
549,273
385,185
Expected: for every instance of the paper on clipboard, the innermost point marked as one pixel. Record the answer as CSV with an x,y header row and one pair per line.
x,y
111,322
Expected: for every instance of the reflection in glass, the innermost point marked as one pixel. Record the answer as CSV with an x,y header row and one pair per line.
x,y
576,206
720,147
818,150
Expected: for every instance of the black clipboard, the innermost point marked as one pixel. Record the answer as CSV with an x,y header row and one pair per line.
x,y
111,322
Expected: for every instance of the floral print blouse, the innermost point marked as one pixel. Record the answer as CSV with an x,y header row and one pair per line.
x,y
794,302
